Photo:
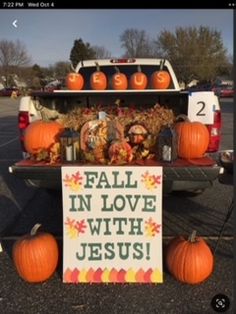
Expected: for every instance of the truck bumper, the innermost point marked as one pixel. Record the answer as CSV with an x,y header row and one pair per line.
x,y
174,178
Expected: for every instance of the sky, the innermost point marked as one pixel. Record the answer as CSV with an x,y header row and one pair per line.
x,y
49,35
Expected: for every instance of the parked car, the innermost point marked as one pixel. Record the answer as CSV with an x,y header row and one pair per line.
x,y
227,91
8,91
224,90
54,85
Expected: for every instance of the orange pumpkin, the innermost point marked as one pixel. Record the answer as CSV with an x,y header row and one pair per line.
x,y
138,80
35,255
189,260
119,81
74,81
120,152
98,79
160,80
41,135
193,139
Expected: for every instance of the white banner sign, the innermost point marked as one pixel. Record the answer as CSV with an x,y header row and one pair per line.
x,y
201,107
112,224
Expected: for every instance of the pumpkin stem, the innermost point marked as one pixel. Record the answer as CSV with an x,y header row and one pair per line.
x,y
182,117
192,237
97,66
117,70
35,229
162,63
139,68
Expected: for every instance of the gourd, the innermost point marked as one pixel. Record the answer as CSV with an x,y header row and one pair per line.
x,y
193,139
74,81
119,80
189,260
35,255
41,135
138,80
98,79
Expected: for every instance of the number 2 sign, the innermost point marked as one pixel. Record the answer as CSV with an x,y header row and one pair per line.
x,y
201,107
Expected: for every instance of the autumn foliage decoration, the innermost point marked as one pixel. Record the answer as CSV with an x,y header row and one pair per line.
x,y
138,80
120,152
98,79
189,260
35,255
74,81
42,135
193,138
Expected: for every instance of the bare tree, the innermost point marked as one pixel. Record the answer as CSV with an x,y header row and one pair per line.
x,y
12,56
101,52
136,43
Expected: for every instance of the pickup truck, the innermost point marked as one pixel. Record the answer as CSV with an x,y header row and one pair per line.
x,y
187,175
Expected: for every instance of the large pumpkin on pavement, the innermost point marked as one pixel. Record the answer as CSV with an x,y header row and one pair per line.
x,y
189,260
41,135
35,255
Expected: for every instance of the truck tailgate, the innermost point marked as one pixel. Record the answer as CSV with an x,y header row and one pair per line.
x,y
203,169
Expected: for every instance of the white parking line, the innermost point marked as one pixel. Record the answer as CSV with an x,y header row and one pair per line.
x,y
13,140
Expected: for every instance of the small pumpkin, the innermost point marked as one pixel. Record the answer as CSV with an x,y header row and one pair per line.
x,y
189,260
120,152
119,80
193,139
138,80
41,135
160,80
98,79
35,255
74,81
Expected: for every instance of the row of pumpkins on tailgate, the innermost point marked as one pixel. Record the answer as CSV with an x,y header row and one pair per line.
x,y
188,259
139,81
106,141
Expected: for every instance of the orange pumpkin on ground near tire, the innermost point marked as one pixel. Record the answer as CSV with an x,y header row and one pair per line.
x,y
189,260
35,255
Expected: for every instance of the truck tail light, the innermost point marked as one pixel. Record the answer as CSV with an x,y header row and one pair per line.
x,y
23,122
215,133
124,60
